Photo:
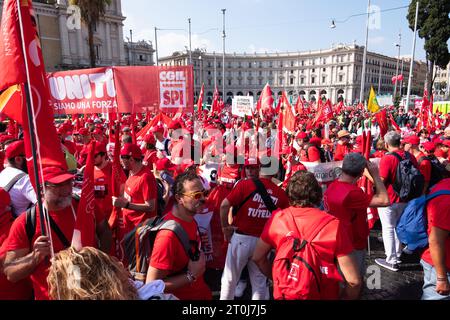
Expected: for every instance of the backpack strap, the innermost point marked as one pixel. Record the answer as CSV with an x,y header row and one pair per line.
x,y
30,227
166,146
236,209
14,180
422,159
437,194
315,229
179,231
261,189
395,154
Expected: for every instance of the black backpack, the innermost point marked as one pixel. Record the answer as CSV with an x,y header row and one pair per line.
x,y
138,244
438,170
161,204
409,182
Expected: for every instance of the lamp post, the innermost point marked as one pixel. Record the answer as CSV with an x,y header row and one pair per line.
x,y
223,57
131,48
363,75
398,63
412,59
156,46
190,43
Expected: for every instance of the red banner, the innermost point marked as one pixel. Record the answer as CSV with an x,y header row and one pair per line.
x,y
122,89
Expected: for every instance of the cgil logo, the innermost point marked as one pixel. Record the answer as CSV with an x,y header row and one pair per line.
x,y
83,86
172,76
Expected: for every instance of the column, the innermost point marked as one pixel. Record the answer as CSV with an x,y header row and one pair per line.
x,y
82,58
108,43
64,35
121,47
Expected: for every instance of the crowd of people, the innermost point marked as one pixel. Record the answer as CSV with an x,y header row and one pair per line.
x,y
268,217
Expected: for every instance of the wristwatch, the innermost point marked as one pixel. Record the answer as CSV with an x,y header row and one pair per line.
x,y
191,278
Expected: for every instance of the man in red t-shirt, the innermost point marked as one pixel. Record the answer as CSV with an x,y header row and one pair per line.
x,y
389,216
332,243
343,146
140,194
169,259
348,202
436,259
309,152
247,226
31,258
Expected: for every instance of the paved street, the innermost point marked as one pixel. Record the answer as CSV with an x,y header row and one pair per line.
x,y
405,284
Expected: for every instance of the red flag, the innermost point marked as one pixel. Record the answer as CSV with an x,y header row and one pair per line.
x,y
200,100
324,113
381,118
215,104
393,123
265,103
12,102
116,212
84,232
13,72
299,106
133,128
288,115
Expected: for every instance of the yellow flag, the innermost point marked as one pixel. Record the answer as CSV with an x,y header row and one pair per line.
x,y
373,103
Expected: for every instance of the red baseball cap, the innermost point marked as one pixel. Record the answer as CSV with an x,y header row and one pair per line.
x,y
100,147
15,149
414,140
150,139
157,129
56,175
429,146
131,150
316,141
165,164
301,135
175,124
83,132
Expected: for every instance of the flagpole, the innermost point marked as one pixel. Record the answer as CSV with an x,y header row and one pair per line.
x,y
30,108
363,75
412,60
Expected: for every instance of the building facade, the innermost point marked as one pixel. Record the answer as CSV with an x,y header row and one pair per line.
x,y
66,48
441,83
331,73
139,53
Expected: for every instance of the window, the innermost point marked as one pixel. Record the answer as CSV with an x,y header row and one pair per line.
x,y
260,73
250,82
281,81
313,80
292,81
341,68
302,80
292,71
220,82
249,64
142,57
260,65
240,73
324,70
229,82
341,78
292,63
313,70
240,82
209,82
209,73
260,82
324,79
303,63
270,64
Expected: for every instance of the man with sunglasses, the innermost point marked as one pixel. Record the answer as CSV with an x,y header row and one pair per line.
x,y
14,178
248,223
139,200
182,272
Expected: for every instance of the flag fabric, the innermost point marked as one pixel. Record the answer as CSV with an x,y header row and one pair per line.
x,y
133,128
84,231
12,102
382,121
373,105
12,55
324,112
215,104
200,100
299,106
288,115
265,103
393,123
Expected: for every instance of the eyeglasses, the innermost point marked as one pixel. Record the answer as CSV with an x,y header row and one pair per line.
x,y
196,195
125,157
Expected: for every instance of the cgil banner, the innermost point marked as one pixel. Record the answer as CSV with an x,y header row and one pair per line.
x,y
122,89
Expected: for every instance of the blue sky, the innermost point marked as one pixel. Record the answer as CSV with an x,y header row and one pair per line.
x,y
269,25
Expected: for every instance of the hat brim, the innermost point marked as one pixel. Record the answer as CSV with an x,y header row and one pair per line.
x,y
60,178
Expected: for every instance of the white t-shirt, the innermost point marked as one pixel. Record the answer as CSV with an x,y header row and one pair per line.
x,y
22,193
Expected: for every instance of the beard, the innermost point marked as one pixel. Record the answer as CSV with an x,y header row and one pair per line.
x,y
64,202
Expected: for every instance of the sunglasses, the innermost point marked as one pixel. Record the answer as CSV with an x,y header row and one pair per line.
x,y
196,195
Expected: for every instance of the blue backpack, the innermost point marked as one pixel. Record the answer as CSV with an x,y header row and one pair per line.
x,y
412,226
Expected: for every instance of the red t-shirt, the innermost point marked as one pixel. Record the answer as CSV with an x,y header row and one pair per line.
x,y
139,188
424,167
253,215
168,254
379,154
349,204
18,240
342,151
438,211
151,158
388,172
103,191
312,154
332,242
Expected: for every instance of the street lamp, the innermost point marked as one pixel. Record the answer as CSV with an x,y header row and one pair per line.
x,y
398,63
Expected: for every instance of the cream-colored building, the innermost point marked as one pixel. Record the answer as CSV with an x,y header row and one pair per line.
x,y
441,82
65,47
333,73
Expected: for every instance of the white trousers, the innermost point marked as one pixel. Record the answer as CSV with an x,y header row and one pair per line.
x,y
389,217
239,255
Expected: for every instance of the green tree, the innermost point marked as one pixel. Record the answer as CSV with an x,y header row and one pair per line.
x,y
433,25
91,13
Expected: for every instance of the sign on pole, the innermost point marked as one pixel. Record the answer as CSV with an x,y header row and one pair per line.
x,y
242,106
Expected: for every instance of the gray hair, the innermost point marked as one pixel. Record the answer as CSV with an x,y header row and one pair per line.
x,y
393,138
354,164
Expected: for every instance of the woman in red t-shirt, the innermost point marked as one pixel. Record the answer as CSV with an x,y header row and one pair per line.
x,y
331,242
